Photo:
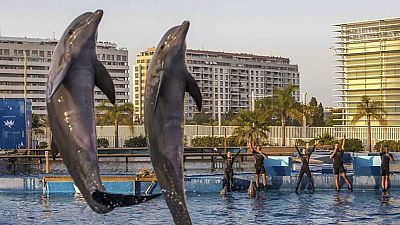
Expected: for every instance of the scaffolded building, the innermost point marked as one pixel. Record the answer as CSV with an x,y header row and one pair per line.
x,y
369,64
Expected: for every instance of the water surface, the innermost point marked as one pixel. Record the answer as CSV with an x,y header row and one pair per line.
x,y
324,207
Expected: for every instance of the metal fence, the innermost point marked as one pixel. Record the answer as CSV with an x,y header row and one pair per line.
x,y
292,133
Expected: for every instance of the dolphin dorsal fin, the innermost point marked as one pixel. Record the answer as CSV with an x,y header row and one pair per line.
x,y
104,81
194,90
159,88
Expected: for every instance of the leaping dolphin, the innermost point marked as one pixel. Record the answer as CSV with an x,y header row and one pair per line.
x,y
166,83
73,73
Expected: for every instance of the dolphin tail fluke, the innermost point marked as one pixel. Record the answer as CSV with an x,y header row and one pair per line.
x,y
121,200
104,81
194,90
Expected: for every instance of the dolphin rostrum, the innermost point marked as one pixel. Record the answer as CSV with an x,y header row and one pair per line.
x,y
166,83
70,90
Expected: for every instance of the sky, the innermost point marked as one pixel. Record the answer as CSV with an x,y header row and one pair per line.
x,y
297,29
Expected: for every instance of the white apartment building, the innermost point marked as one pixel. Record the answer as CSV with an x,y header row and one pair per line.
x,y
38,53
227,81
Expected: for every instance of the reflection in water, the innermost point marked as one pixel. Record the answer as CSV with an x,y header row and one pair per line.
x,y
385,198
46,207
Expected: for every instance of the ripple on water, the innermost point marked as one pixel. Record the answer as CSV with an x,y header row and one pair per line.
x,y
209,208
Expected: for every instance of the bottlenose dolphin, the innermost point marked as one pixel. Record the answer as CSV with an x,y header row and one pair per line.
x,y
166,83
73,73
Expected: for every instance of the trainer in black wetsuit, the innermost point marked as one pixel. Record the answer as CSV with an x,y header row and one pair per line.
x,y
259,166
386,157
338,168
229,160
305,169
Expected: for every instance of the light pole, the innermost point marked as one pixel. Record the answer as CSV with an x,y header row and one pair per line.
x,y
253,99
304,130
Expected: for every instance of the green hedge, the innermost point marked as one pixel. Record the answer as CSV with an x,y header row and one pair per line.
x,y
393,145
208,141
138,141
102,143
42,145
352,145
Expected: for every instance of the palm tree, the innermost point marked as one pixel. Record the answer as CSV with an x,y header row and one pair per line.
x,y
284,105
116,115
252,126
370,109
38,123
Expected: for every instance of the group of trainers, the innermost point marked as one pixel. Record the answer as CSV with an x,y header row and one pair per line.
x,y
305,155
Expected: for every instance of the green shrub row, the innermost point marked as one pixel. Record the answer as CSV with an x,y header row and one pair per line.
x,y
394,146
138,141
351,145
103,143
209,141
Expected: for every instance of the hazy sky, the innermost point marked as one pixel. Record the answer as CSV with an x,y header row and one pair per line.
x,y
298,29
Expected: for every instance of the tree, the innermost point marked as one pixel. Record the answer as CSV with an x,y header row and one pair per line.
x,y
115,115
39,122
283,105
370,109
334,117
314,113
252,126
201,118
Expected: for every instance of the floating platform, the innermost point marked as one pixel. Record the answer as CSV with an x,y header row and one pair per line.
x,y
212,183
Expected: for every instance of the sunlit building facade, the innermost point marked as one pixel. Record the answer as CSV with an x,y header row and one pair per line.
x,y
369,64
228,81
38,54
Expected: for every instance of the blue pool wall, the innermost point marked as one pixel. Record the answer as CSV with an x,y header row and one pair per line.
x,y
200,183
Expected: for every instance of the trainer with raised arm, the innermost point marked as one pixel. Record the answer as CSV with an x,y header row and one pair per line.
x,y
259,166
229,160
386,157
305,169
338,168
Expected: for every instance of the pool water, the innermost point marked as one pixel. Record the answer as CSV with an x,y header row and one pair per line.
x,y
324,207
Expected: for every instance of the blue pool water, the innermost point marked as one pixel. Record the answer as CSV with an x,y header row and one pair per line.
x,y
324,207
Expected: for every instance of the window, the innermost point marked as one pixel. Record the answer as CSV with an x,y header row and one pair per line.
x,y
124,58
6,52
41,54
118,57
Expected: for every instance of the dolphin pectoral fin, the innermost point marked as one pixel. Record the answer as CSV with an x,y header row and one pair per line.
x,y
54,150
120,200
194,90
159,88
59,77
104,81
